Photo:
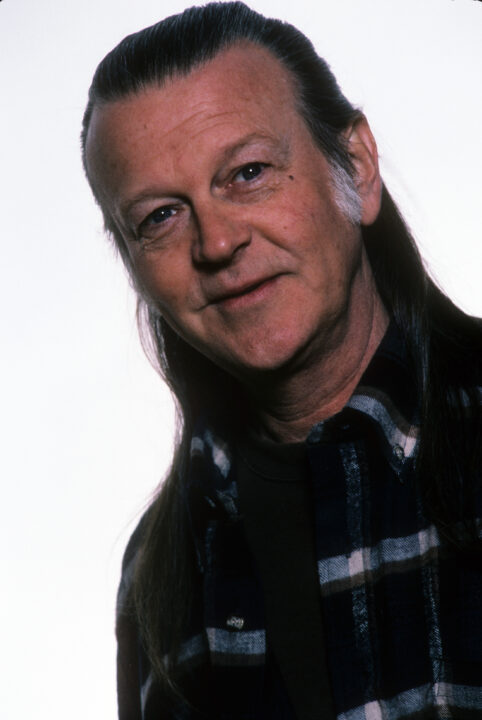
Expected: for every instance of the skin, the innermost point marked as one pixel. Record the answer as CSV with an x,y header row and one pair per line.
x,y
227,210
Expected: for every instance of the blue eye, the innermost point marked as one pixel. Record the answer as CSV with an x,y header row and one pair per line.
x,y
250,171
151,226
160,215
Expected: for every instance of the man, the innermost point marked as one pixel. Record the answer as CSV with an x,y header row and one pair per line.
x,y
313,553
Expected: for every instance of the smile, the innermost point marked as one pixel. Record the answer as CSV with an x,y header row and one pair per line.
x,y
245,295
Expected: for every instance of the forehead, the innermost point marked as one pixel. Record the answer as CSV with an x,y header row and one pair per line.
x,y
244,87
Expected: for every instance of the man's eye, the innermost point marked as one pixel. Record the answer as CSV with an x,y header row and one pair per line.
x,y
152,226
249,172
159,216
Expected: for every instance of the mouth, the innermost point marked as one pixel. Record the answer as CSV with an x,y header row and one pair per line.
x,y
244,295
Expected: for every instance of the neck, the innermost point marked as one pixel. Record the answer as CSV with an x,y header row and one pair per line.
x,y
286,406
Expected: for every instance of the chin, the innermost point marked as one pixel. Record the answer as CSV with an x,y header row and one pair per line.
x,y
267,357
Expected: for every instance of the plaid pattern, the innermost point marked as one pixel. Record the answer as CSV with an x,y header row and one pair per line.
x,y
402,613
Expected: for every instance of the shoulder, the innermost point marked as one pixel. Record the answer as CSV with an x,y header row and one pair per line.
x,y
127,632
129,562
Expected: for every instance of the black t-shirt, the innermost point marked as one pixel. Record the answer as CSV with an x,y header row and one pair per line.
x,y
276,505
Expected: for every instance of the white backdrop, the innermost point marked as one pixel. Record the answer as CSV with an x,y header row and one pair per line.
x,y
85,424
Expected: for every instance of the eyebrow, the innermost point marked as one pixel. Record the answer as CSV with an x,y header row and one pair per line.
x,y
281,145
148,194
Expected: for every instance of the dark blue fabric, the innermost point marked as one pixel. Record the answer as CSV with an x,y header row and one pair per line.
x,y
402,611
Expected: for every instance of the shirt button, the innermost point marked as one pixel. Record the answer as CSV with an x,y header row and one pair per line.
x,y
398,452
234,622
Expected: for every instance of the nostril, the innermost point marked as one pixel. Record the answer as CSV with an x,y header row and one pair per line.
x,y
219,239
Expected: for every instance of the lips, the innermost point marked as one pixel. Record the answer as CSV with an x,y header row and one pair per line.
x,y
231,296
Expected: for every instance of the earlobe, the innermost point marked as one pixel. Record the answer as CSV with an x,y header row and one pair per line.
x,y
364,154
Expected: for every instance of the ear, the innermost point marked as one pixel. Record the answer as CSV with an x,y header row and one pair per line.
x,y
364,154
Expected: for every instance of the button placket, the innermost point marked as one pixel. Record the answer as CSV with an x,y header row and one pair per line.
x,y
235,622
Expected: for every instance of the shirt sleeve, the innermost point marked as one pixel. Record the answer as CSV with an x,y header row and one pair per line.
x,y
128,685
128,641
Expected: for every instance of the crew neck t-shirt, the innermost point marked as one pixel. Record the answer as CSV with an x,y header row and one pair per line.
x,y
276,505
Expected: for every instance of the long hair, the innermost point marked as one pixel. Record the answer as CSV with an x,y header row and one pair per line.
x,y
438,335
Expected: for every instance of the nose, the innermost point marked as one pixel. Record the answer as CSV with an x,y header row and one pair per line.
x,y
221,233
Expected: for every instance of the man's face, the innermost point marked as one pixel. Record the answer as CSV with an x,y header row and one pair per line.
x,y
227,210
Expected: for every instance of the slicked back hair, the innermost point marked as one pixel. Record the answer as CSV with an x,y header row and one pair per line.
x,y
438,334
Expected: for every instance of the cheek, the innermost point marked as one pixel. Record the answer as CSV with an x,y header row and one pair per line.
x,y
165,278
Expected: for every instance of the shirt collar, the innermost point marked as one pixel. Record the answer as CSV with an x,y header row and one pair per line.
x,y
386,395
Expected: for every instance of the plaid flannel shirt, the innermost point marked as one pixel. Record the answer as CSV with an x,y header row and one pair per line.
x,y
402,612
